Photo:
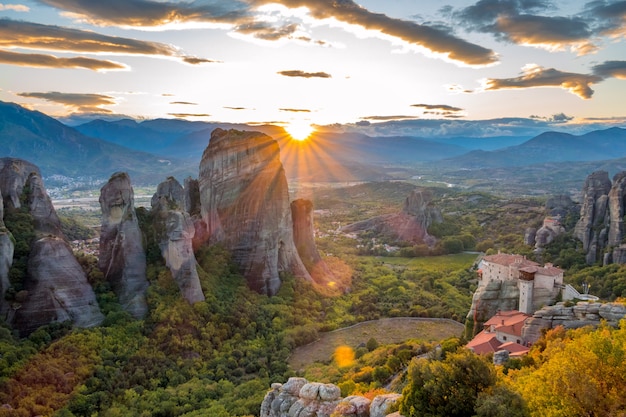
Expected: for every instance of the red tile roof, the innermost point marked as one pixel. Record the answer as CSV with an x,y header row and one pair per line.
x,y
484,342
514,349
508,260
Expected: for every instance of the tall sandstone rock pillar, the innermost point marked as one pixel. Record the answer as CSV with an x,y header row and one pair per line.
x,y
6,257
122,256
245,205
175,231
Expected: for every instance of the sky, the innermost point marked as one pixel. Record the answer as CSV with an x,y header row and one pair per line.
x,y
429,68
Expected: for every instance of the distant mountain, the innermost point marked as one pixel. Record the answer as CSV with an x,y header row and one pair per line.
x,y
60,150
549,147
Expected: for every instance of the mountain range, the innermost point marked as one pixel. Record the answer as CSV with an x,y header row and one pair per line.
x,y
151,150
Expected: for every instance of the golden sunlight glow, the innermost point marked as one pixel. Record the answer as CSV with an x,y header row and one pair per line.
x,y
299,130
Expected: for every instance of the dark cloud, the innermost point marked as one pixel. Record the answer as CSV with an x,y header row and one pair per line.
x,y
616,69
185,115
184,102
296,110
442,107
536,76
195,60
81,103
235,108
51,61
555,118
262,30
55,38
519,21
298,73
610,17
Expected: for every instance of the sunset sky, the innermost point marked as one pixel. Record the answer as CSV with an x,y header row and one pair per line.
x,y
462,63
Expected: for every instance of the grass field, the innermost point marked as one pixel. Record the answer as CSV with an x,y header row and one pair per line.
x,y
385,331
430,263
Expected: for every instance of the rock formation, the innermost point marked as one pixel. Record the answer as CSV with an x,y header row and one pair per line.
x,y
617,198
13,175
55,288
571,317
550,229
592,227
304,239
122,256
410,225
488,299
301,398
175,231
245,206
6,256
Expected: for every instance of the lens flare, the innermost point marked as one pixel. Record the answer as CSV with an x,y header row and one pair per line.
x,y
299,130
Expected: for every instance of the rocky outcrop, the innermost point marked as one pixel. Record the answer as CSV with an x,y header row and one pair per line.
x,y
304,239
122,256
175,231
301,398
245,206
13,175
6,257
601,214
55,288
581,314
548,232
410,225
561,206
617,198
488,299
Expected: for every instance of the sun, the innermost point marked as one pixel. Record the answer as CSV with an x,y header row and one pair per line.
x,y
299,130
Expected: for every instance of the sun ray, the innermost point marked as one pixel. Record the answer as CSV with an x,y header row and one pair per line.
x,y
299,130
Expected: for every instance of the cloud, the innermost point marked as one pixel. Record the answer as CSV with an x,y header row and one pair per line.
x,y
51,61
616,69
145,13
610,17
20,34
555,118
430,38
385,118
184,102
442,107
81,103
296,110
185,115
246,17
519,21
14,7
236,108
298,73
536,76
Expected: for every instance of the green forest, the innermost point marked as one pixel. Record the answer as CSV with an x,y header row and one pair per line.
x,y
219,357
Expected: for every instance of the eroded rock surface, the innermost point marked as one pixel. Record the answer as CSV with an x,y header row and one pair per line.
x,y
245,206
55,288
6,257
301,398
13,176
175,231
488,299
571,317
122,256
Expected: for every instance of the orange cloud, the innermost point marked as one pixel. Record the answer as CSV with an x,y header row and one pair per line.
x,y
303,74
536,76
51,61
81,103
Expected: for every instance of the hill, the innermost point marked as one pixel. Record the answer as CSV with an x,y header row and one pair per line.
x,y
549,147
61,150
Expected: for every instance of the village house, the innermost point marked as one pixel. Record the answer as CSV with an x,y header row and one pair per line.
x,y
501,332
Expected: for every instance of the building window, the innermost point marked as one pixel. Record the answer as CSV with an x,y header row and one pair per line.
x,y
504,337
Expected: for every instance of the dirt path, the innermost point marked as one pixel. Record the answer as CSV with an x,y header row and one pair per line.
x,y
385,331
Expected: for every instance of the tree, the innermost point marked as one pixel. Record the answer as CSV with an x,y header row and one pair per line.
x,y
446,388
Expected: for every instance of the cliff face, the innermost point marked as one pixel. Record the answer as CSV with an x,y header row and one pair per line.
x,y
175,233
6,256
13,175
55,286
245,206
488,299
410,225
122,256
601,214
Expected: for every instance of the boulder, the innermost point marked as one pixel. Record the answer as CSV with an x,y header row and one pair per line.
x,y
245,206
175,232
122,256
381,404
